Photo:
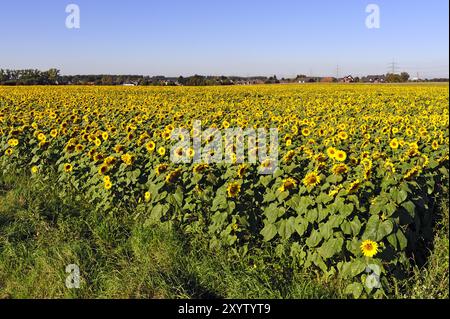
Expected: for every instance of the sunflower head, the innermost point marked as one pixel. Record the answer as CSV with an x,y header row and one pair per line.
x,y
233,189
340,156
161,168
200,168
394,144
369,248
339,169
103,169
150,146
242,170
147,196
108,185
311,179
331,152
128,159
68,167
289,156
288,184
173,176
161,151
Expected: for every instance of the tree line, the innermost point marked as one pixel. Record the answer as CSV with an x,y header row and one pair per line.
x,y
53,77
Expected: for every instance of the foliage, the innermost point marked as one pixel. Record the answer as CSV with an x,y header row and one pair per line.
x,y
356,163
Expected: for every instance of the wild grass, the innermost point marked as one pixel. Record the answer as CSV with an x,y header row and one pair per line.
x,y
41,232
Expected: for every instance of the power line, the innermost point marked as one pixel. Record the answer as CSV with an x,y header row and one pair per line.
x,y
393,66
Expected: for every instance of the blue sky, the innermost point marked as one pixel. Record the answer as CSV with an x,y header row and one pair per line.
x,y
232,37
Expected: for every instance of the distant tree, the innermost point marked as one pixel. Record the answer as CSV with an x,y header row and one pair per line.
x,y
107,80
53,76
393,78
404,76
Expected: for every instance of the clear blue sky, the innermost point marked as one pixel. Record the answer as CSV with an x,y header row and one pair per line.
x,y
231,37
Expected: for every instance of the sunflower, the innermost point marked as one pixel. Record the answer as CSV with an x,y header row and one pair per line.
x,y
79,147
288,142
161,168
389,167
178,153
97,142
343,135
13,142
289,156
108,185
150,146
161,151
339,169
369,248
147,196
233,189
165,135
190,152
110,161
367,163
306,132
98,157
394,144
320,157
128,159
41,137
311,179
331,152
200,168
354,186
288,184
425,160
173,176
68,167
340,156
34,169
119,148
54,133
334,190
103,169
242,170
435,145
413,172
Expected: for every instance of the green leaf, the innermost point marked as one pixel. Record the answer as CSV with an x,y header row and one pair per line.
x,y
377,229
312,215
282,196
314,239
355,225
300,226
354,289
331,247
305,202
410,207
269,231
272,213
286,228
402,241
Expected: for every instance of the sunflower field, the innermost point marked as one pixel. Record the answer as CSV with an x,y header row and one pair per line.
x,y
361,167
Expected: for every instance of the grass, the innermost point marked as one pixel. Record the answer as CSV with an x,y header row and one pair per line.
x,y
42,232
